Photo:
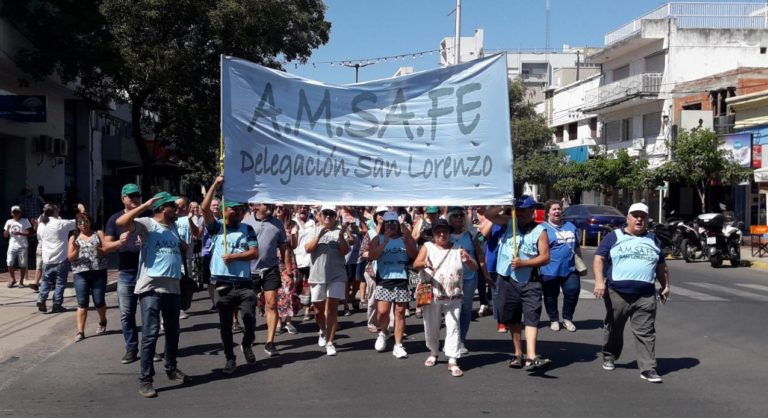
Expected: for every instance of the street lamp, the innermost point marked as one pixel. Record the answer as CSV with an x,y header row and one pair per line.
x,y
357,66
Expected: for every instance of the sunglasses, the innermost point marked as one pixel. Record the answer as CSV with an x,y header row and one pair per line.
x,y
134,196
328,214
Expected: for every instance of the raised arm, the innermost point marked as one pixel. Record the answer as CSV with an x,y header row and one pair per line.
x,y
125,221
495,214
205,207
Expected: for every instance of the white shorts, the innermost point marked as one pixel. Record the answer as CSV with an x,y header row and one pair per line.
x,y
320,291
14,254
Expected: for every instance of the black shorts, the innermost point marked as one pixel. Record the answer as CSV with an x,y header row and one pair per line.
x,y
303,274
518,302
268,280
352,271
206,273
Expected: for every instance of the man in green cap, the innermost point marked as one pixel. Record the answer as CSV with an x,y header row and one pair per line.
x,y
158,285
128,268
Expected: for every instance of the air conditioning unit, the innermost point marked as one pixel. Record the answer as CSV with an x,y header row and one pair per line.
x,y
50,145
638,144
62,147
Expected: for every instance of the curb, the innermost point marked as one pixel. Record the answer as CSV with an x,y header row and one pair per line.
x,y
759,265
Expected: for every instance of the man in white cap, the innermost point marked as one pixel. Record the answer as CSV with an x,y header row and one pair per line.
x,y
627,264
16,230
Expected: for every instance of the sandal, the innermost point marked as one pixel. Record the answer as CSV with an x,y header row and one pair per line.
x,y
455,370
22,285
537,363
431,360
517,362
11,284
102,329
79,337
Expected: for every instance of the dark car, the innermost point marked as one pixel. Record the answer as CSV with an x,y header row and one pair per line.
x,y
593,219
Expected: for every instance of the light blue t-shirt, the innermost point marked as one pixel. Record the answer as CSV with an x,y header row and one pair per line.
x,y
239,239
562,246
630,262
527,246
159,257
392,262
464,240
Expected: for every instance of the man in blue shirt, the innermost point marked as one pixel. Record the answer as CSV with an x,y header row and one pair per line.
x,y
627,264
158,284
234,246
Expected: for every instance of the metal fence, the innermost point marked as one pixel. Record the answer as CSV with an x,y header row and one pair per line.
x,y
636,85
700,15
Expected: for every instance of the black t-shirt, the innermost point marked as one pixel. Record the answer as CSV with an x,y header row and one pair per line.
x,y
128,256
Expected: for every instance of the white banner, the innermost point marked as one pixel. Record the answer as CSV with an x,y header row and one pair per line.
x,y
439,137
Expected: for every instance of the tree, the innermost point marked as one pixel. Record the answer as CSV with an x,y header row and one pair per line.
x,y
162,57
697,159
531,137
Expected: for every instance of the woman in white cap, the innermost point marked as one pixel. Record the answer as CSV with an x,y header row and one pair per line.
x,y
327,274
392,249
443,267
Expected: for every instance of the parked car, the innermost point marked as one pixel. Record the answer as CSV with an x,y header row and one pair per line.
x,y
594,219
539,215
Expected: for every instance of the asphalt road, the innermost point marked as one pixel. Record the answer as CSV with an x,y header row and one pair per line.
x,y
710,348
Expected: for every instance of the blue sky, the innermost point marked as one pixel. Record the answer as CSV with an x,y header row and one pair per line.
x,y
375,28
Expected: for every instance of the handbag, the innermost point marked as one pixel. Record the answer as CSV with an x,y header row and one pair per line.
x,y
424,293
581,266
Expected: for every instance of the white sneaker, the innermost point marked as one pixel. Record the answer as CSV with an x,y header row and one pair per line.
x,y
321,341
330,349
570,326
399,351
463,350
291,329
381,342
407,312
483,310
554,326
183,315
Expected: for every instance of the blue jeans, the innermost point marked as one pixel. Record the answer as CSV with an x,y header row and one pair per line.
x,y
465,317
571,286
494,295
153,305
90,283
54,275
128,301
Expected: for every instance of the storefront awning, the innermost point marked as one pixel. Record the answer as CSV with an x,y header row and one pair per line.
x,y
761,175
577,154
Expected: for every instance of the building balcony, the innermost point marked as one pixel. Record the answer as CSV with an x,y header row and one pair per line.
x,y
613,95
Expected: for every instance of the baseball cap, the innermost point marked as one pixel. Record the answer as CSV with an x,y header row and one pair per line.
x,y
442,223
638,207
381,209
230,204
432,209
328,207
452,209
525,202
130,188
15,208
163,198
391,216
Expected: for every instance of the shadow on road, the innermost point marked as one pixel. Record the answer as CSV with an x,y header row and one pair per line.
x,y
668,365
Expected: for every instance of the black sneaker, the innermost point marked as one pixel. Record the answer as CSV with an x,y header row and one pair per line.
x,y
41,306
247,350
213,308
129,357
177,376
147,390
651,376
58,309
270,349
229,367
608,364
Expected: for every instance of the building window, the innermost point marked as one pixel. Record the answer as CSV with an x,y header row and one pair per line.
x,y
621,73
612,131
559,134
762,50
593,128
655,63
626,129
651,125
573,131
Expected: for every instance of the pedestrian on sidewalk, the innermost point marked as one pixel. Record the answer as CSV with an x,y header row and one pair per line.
x,y
231,274
523,249
627,264
328,274
128,270
86,253
442,264
16,231
53,233
158,286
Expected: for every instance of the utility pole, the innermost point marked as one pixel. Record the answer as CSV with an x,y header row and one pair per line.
x,y
457,36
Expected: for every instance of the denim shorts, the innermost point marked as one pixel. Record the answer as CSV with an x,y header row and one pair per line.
x,y
87,283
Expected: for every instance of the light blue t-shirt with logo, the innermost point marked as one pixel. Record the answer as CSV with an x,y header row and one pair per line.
x,y
464,240
630,262
159,258
527,246
392,262
239,239
562,247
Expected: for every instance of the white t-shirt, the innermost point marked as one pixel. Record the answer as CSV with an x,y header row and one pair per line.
x,y
306,233
53,235
13,226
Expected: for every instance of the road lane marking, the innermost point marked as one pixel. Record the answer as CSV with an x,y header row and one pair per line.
x,y
762,287
586,294
677,290
724,289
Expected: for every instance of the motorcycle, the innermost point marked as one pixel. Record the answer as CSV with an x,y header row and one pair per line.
x,y
693,244
723,238
669,237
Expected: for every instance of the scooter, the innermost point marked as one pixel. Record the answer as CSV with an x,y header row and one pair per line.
x,y
693,244
669,237
723,238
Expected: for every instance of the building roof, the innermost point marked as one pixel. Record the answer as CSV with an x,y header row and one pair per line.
x,y
721,80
